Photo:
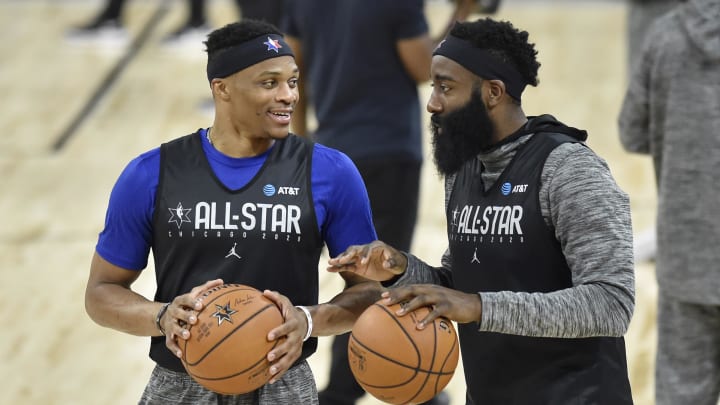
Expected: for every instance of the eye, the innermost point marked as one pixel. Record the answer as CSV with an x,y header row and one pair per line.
x,y
441,86
268,84
293,83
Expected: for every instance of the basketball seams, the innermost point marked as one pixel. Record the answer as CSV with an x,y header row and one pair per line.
x,y
233,356
432,363
417,369
396,362
235,374
445,362
409,337
392,350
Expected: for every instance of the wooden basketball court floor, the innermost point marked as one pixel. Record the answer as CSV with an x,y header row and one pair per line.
x,y
71,117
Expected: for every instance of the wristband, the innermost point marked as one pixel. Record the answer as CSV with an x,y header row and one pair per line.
x,y
309,321
159,316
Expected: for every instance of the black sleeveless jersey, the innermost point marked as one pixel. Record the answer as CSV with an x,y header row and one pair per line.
x,y
500,242
264,235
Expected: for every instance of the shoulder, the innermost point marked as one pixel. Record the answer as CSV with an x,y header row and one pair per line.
x,y
573,159
575,154
335,171
665,34
141,172
146,162
573,168
327,158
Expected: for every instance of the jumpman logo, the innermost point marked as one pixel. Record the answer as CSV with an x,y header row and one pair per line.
x,y
232,252
475,258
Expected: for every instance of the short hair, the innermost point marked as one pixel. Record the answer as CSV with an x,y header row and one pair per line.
x,y
237,33
503,41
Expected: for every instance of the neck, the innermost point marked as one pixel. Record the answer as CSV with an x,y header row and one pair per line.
x,y
509,123
237,144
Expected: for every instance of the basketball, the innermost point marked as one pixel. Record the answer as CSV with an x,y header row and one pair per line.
x,y
227,349
398,363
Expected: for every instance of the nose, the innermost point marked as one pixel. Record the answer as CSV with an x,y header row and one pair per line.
x,y
434,106
287,94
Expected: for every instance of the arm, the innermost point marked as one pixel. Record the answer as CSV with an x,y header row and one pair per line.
x,y
634,119
415,51
338,315
342,200
382,262
416,55
462,10
110,302
591,218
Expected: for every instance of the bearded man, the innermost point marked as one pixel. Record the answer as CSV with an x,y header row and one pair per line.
x,y
539,269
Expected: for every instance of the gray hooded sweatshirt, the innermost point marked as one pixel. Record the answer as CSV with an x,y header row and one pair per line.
x,y
672,112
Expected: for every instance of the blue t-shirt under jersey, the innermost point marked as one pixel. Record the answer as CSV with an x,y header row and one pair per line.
x,y
341,203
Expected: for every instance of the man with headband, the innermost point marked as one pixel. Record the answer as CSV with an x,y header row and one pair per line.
x,y
243,201
539,269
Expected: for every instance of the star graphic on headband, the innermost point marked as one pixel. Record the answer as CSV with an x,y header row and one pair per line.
x,y
272,44
223,313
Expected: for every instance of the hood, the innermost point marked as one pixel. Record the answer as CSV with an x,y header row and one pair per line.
x,y
701,21
542,123
548,123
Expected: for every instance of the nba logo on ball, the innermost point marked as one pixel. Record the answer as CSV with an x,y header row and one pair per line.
x,y
395,361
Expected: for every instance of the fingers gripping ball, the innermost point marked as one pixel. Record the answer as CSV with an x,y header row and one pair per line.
x,y
228,345
398,363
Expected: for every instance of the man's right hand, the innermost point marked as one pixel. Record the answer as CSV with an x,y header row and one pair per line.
x,y
182,314
375,261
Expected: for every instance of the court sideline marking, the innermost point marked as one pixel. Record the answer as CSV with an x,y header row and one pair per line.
x,y
112,76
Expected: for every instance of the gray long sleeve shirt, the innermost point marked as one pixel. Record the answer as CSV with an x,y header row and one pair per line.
x,y
590,216
672,112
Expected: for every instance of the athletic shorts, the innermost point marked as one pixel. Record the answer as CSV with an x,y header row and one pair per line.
x,y
297,386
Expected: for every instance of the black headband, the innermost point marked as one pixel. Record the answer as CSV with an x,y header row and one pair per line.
x,y
238,57
482,63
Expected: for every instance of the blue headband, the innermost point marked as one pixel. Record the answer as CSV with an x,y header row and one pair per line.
x,y
239,57
482,63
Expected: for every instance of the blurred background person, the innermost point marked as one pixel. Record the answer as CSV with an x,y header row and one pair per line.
x,y
641,13
671,111
360,65
108,24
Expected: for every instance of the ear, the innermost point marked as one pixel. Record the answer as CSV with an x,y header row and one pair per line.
x,y
495,90
220,89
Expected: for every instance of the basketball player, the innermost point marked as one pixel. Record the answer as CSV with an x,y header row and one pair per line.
x,y
543,306
241,202
671,111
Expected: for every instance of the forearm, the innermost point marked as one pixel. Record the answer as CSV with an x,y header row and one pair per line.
x,y
116,307
419,272
581,311
634,117
591,219
338,315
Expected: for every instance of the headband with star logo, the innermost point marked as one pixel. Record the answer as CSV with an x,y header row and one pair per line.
x,y
239,57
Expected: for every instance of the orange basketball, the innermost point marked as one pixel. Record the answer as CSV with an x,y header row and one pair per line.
x,y
398,363
228,345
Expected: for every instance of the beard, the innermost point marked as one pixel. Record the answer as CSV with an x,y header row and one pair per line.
x,y
459,135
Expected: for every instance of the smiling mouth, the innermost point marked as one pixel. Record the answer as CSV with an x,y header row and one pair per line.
x,y
281,114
